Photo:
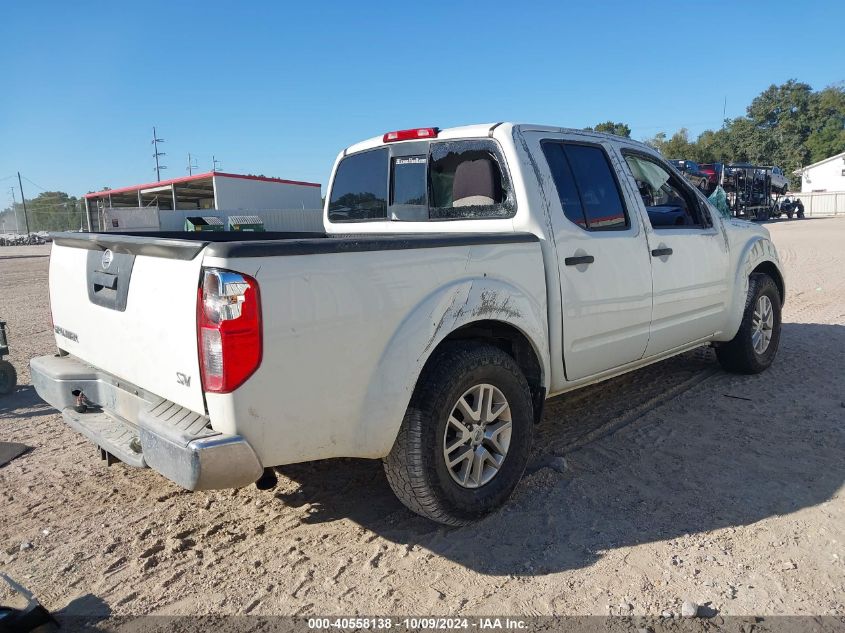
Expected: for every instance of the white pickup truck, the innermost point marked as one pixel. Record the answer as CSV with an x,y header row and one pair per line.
x,y
464,276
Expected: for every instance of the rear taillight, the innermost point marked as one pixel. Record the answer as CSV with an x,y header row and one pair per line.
x,y
228,329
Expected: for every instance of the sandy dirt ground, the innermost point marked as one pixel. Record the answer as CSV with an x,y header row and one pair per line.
x,y
677,482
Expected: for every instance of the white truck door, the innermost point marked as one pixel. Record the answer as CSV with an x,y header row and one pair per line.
x,y
689,256
605,272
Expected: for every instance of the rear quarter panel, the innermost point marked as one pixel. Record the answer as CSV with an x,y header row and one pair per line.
x,y
346,336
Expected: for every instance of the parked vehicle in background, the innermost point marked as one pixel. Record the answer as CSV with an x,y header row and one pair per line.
x,y
464,276
744,171
713,171
17,239
780,183
790,206
692,172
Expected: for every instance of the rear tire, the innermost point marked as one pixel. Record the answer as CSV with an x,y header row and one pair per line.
x,y
8,377
755,345
418,467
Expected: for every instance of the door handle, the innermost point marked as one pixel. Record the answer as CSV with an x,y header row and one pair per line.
x,y
660,252
575,261
104,280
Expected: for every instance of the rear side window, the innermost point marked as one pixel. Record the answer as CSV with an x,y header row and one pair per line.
x,y
586,186
565,183
359,191
467,180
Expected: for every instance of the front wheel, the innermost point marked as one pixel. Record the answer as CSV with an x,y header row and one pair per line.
x,y
466,436
8,377
755,345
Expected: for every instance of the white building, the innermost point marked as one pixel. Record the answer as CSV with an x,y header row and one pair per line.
x,y
165,204
824,176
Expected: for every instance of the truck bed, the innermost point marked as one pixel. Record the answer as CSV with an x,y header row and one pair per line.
x,y
186,245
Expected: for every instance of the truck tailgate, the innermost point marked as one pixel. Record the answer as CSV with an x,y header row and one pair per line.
x,y
130,313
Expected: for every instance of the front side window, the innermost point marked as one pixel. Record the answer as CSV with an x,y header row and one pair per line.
x,y
359,191
667,200
586,186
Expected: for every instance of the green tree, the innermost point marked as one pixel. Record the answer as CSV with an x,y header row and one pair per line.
x,y
710,147
828,114
610,127
678,146
788,125
48,211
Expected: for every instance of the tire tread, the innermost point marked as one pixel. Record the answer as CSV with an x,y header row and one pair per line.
x,y
738,354
405,466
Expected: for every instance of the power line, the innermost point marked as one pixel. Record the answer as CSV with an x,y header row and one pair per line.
x,y
35,184
41,197
53,211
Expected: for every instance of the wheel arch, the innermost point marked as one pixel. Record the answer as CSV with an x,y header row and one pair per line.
x,y
486,308
758,256
769,268
514,343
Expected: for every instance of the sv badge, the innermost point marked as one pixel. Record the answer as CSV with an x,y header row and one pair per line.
x,y
183,379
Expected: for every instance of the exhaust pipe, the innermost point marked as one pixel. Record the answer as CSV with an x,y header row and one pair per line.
x,y
81,405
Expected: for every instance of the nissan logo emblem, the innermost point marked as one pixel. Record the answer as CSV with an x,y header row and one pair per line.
x,y
107,257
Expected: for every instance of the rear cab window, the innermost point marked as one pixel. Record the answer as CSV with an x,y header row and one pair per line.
x,y
359,191
423,181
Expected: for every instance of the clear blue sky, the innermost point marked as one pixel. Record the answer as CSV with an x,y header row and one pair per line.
x,y
279,88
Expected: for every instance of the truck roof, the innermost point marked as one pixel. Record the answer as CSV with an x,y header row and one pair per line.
x,y
480,130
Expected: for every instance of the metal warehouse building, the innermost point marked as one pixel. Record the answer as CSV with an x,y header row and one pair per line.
x,y
157,205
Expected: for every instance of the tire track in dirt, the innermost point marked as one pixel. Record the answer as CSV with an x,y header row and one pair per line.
x,y
574,420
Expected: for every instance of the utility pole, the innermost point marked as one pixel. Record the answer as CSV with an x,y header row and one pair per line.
x,y
25,218
214,162
191,165
724,110
156,154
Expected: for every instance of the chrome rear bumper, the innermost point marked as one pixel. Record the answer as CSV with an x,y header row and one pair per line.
x,y
142,429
